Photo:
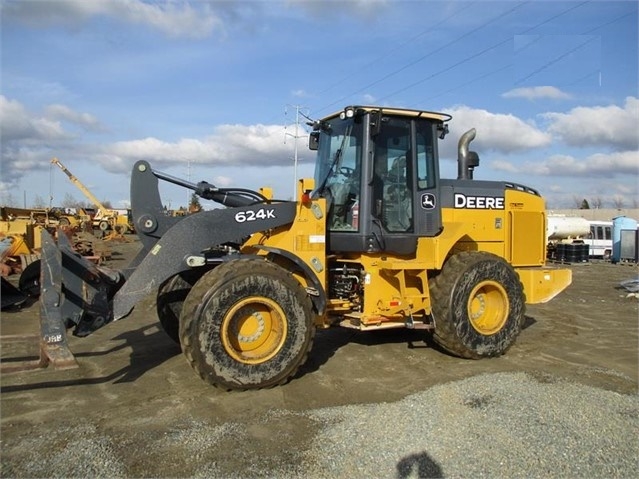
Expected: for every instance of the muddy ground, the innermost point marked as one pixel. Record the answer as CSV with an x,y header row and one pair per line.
x,y
134,387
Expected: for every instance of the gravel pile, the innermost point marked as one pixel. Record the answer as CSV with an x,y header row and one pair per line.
x,y
498,425
506,425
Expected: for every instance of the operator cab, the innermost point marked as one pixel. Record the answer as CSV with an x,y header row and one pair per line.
x,y
379,172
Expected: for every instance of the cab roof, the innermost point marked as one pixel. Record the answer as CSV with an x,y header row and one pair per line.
x,y
407,112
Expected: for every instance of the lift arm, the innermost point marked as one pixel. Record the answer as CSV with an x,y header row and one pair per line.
x,y
92,296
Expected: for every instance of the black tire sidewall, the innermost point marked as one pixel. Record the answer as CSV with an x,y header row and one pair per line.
x,y
262,280
170,299
458,335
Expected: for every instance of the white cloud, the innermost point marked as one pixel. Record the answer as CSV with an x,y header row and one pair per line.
x,y
502,165
16,123
599,165
222,181
17,162
626,190
29,139
369,99
610,126
176,19
495,131
84,120
533,93
252,145
362,8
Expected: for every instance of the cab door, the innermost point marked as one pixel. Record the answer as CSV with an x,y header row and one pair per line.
x,y
404,191
428,214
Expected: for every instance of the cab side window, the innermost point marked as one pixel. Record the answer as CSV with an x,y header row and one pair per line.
x,y
425,155
392,183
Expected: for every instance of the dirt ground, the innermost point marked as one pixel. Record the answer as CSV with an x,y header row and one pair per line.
x,y
134,386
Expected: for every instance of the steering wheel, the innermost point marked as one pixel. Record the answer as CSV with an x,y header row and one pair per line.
x,y
347,171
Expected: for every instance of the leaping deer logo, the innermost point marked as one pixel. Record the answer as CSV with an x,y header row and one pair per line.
x,y
428,201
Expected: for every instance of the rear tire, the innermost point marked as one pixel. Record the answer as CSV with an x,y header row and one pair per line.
x,y
247,324
478,305
170,299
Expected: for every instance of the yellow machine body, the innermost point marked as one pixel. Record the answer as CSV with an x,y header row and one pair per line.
x,y
397,287
376,240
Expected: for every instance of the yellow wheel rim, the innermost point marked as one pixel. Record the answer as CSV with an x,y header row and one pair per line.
x,y
254,330
488,307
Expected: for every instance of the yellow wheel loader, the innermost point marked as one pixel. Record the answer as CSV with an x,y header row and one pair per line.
x,y
376,240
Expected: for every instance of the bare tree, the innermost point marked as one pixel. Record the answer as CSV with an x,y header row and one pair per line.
x,y
576,201
618,202
596,202
70,202
8,200
39,202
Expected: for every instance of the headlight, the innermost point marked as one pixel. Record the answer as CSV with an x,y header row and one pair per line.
x,y
347,113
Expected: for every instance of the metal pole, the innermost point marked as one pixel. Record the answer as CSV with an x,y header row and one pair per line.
x,y
297,122
296,136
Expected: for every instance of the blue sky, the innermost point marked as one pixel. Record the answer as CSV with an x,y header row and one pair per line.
x,y
208,90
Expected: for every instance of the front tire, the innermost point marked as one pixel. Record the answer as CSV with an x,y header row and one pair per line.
x,y
247,324
478,305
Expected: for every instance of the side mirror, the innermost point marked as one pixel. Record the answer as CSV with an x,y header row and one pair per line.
x,y
313,141
443,130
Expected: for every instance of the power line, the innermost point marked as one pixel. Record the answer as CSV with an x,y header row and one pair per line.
x,y
555,60
615,20
483,25
475,55
579,5
527,45
448,44
486,75
594,72
467,59
397,47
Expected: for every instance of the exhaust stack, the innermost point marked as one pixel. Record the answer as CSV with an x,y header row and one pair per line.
x,y
466,160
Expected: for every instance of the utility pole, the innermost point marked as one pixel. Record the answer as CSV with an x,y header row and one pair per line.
x,y
188,176
295,137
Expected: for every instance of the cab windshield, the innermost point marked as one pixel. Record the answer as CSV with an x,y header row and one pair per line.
x,y
337,172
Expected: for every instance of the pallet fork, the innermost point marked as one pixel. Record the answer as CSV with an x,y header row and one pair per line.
x,y
53,345
73,292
